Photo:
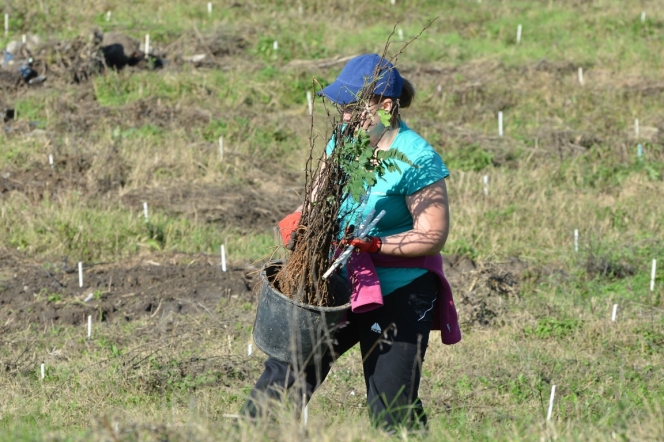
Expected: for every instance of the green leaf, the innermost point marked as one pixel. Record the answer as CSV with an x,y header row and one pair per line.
x,y
362,164
385,117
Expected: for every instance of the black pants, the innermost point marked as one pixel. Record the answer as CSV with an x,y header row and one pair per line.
x,y
393,340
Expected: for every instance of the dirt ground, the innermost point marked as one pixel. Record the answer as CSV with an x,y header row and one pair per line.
x,y
258,208
47,294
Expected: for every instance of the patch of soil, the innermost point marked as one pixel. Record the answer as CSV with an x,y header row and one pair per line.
x,y
207,50
10,81
643,88
558,68
42,181
251,208
38,293
82,57
484,291
566,143
79,59
48,294
81,114
255,207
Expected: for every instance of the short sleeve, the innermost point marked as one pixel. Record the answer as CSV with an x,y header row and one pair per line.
x,y
330,147
427,168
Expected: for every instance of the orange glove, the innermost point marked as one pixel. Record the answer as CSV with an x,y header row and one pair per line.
x,y
370,244
288,225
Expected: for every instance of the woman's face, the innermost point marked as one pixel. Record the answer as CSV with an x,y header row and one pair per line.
x,y
369,119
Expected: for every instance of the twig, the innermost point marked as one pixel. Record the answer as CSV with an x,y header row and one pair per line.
x,y
205,45
157,309
109,428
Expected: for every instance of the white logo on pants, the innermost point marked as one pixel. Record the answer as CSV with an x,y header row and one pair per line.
x,y
376,328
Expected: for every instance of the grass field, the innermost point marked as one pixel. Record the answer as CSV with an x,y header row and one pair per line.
x,y
568,160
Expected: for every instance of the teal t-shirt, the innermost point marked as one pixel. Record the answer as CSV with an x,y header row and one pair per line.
x,y
389,194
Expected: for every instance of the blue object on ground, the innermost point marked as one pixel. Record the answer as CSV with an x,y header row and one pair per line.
x,y
6,57
25,71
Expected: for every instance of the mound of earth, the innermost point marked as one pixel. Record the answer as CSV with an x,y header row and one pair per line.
x,y
78,59
47,295
43,182
251,208
257,207
483,291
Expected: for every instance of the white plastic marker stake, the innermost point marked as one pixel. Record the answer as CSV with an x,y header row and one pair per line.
x,y
553,394
209,8
580,75
145,211
500,123
50,160
400,32
43,371
6,25
393,2
615,310
305,410
310,103
221,148
147,44
576,240
250,349
275,45
23,39
643,16
485,180
518,34
652,275
108,15
223,258
89,326
80,274
300,10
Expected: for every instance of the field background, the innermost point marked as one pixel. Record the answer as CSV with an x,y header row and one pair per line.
x,y
168,356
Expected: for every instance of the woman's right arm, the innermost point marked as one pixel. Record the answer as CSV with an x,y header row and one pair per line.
x,y
431,220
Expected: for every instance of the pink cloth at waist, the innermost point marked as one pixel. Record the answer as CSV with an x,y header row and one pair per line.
x,y
367,296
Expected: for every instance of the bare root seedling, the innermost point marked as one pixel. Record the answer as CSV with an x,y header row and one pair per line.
x,y
331,179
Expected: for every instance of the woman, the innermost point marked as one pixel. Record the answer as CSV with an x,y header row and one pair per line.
x,y
403,253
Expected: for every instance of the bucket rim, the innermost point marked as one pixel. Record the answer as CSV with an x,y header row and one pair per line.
x,y
295,302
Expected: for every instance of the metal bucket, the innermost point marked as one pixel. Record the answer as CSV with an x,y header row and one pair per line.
x,y
291,331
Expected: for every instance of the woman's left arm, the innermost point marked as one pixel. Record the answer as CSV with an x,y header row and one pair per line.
x,y
431,221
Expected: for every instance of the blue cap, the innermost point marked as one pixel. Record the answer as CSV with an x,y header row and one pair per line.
x,y
358,73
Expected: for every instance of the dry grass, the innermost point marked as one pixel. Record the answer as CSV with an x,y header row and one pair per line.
x,y
518,211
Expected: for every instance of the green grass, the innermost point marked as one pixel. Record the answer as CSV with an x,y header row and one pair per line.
x,y
499,393
95,234
122,88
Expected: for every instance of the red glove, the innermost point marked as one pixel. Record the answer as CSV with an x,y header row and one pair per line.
x,y
288,225
370,244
